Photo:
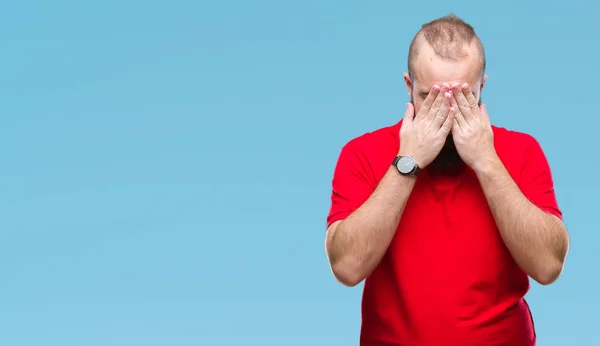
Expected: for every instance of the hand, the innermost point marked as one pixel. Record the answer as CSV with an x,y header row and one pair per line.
x,y
423,136
472,132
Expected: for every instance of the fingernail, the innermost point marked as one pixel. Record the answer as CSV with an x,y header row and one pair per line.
x,y
448,94
465,86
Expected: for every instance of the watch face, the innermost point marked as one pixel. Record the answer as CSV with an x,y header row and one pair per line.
x,y
406,164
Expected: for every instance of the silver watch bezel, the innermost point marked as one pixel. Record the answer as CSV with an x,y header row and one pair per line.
x,y
411,163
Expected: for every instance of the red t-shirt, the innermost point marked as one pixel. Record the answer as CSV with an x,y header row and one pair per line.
x,y
447,277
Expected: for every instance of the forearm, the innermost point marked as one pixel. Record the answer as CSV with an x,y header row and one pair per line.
x,y
356,245
537,241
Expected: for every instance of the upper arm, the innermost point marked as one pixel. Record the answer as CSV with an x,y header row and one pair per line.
x,y
536,181
351,185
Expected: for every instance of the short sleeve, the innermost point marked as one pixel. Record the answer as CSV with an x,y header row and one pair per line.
x,y
351,185
536,180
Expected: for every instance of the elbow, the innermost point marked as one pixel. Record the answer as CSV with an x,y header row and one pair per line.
x,y
347,276
549,275
546,279
554,265
346,269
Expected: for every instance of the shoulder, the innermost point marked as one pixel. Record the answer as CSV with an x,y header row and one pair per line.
x,y
378,140
512,141
370,154
511,136
518,150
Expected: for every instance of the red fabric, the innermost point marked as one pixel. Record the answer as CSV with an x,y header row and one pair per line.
x,y
447,277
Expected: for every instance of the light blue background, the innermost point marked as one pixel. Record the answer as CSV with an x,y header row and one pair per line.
x,y
166,166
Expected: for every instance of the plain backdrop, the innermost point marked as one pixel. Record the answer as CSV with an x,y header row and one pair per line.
x,y
165,166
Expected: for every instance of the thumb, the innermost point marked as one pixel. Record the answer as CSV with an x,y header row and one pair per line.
x,y
409,115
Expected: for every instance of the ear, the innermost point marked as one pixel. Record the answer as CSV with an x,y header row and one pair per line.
x,y
483,82
409,83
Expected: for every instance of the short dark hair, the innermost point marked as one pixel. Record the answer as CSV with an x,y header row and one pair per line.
x,y
447,37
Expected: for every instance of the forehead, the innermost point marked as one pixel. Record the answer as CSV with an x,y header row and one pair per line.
x,y
431,69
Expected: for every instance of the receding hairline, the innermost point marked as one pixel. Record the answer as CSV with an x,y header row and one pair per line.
x,y
448,37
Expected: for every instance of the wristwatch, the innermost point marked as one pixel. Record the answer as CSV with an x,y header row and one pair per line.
x,y
406,165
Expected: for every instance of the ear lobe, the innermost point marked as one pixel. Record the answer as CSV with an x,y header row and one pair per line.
x,y
483,80
408,82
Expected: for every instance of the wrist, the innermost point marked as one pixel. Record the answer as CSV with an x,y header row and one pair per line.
x,y
406,180
488,165
418,161
406,165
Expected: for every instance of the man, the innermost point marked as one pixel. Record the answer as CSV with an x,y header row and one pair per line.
x,y
445,215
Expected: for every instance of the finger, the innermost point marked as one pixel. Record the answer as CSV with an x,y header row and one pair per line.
x,y
439,100
449,122
459,117
463,104
466,89
409,115
455,127
442,113
429,101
